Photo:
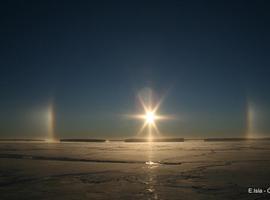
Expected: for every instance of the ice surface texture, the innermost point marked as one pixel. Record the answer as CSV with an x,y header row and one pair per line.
x,y
118,170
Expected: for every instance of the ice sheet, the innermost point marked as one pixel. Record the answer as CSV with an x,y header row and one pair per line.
x,y
118,170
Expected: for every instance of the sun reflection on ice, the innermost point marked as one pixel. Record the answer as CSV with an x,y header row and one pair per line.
x,y
151,172
150,163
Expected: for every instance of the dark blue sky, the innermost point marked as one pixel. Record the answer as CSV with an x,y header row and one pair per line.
x,y
92,58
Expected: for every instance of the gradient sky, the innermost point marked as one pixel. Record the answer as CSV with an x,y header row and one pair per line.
x,y
90,59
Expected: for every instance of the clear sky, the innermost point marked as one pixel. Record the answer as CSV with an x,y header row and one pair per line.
x,y
89,60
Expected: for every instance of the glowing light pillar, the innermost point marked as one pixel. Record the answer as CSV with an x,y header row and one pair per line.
x,y
251,115
51,122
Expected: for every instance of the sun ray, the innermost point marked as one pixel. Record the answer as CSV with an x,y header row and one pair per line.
x,y
156,129
143,103
150,136
142,128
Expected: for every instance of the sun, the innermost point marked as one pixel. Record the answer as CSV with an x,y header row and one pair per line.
x,y
150,117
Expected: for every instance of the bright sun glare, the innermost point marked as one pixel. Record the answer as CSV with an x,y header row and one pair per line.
x,y
150,117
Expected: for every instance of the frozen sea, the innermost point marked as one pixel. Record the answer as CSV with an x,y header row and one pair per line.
x,y
119,170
